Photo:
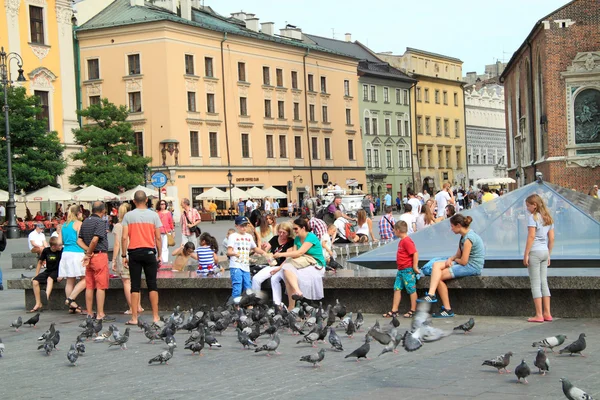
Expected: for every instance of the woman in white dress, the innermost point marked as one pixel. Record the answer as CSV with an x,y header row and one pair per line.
x,y
71,263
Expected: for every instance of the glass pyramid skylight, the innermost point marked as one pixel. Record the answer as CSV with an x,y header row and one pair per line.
x,y
502,224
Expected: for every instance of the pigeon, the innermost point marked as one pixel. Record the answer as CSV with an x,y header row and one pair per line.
x,y
56,339
330,316
466,327
33,320
1,348
86,322
350,328
72,355
334,340
550,342
396,337
152,335
97,325
522,371
122,341
195,347
359,320
170,341
394,322
270,346
79,345
500,362
294,326
421,330
572,392
339,309
210,340
244,339
314,358
48,347
165,356
541,361
381,337
576,347
362,351
17,323
48,333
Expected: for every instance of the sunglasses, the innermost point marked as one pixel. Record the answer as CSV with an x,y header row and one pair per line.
x,y
296,229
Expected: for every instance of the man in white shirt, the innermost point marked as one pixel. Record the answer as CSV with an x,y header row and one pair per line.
x,y
267,206
426,196
37,239
249,206
409,218
414,203
443,198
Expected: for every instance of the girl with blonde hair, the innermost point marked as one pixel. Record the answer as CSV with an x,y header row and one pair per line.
x,y
540,240
71,261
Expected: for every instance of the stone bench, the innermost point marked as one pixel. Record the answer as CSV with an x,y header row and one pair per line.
x,y
497,292
25,260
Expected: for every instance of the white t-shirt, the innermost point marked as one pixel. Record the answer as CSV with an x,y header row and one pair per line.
x,y
37,238
416,206
2,211
426,197
267,205
242,245
326,244
442,199
249,206
340,224
410,220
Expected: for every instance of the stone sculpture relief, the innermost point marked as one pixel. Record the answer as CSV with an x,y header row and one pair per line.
x,y
587,117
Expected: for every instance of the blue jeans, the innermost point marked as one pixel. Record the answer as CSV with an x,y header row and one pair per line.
x,y
240,281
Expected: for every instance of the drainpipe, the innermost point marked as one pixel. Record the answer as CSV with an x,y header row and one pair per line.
x,y
466,174
532,124
312,184
76,55
412,164
224,101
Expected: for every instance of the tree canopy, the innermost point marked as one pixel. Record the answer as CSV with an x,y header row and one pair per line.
x,y
109,156
37,155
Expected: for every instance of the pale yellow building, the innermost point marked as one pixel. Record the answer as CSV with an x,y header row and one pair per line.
x,y
210,94
439,137
41,32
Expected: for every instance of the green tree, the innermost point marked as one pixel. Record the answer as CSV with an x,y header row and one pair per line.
x,y
37,155
109,155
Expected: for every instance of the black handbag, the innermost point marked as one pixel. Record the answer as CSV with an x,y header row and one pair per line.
x,y
194,229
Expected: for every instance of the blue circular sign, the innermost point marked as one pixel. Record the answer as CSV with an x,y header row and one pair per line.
x,y
159,179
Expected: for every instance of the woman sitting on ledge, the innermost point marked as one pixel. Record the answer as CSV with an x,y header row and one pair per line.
x,y
304,267
468,261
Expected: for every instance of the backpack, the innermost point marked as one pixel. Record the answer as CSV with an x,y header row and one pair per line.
x,y
349,231
2,241
320,214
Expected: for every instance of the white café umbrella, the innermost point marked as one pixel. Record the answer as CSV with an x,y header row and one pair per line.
x,y
3,195
48,193
256,193
93,193
236,194
213,194
128,195
494,181
274,193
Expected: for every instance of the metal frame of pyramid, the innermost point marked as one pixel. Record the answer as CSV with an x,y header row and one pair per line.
x,y
502,224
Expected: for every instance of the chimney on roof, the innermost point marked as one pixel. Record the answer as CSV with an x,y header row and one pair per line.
x,y
239,15
196,4
166,4
348,37
268,28
186,9
252,23
134,3
291,32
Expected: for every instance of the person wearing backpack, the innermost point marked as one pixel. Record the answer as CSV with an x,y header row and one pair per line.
x,y
386,225
345,229
2,248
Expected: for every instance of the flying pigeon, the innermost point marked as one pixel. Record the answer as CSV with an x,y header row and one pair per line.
x,y
122,341
48,333
17,323
33,320
165,356
334,339
1,347
572,392
72,355
381,337
362,351
500,362
421,330
576,347
466,327
542,362
270,346
314,358
522,371
550,342
395,337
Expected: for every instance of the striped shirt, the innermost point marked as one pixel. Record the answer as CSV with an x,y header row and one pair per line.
x,y
142,224
94,226
206,257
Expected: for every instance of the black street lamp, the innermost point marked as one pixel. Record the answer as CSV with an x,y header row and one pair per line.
x,y
12,230
230,178
372,179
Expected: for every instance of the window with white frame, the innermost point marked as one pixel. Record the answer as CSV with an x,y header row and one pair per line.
x,y
208,67
36,24
245,145
314,144
93,65
194,144
327,148
369,158
406,128
269,143
282,146
388,128
298,147
348,116
400,159
213,144
210,103
366,92
346,88
374,125
386,95
407,153
133,64
135,102
189,64
388,156
406,97
373,93
398,98
191,101
376,158
367,126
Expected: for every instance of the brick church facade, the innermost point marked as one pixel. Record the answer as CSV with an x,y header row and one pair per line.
x,y
552,99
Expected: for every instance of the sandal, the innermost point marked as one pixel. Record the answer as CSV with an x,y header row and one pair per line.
x,y
35,309
297,296
75,310
390,314
68,302
409,314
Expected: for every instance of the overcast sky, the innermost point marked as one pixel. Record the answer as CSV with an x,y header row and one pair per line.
x,y
478,32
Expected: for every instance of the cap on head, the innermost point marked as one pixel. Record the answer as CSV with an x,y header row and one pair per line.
x,y
39,225
419,194
241,220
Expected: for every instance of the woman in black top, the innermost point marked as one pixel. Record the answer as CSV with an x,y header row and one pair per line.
x,y
278,244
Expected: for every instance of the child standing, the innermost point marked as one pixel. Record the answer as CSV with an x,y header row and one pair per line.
x,y
182,256
51,256
226,240
540,240
239,246
407,260
208,260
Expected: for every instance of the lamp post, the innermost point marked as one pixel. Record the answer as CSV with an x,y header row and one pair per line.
x,y
12,231
230,178
372,179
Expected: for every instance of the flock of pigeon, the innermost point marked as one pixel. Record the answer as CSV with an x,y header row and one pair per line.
x,y
252,318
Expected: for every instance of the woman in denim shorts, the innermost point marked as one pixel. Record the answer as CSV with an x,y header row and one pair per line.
x,y
468,261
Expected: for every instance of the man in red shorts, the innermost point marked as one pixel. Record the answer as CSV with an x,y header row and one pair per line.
x,y
94,241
